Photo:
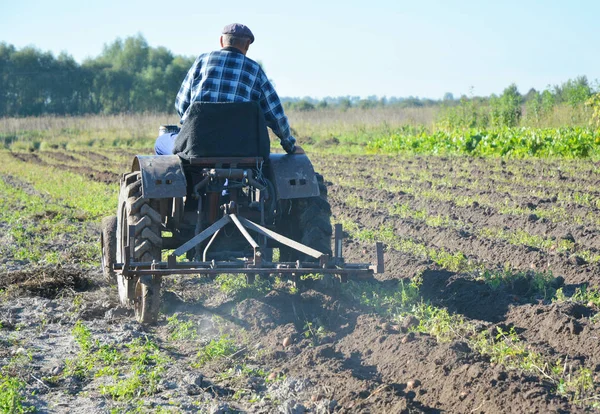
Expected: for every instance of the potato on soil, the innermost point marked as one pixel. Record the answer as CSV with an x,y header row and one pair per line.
x,y
286,341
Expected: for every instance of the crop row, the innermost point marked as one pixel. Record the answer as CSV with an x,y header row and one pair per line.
x,y
49,214
517,237
73,190
503,345
580,191
560,171
37,229
553,213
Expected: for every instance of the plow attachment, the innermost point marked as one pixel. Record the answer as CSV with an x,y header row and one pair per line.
x,y
252,266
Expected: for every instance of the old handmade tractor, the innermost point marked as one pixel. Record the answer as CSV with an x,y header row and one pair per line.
x,y
220,206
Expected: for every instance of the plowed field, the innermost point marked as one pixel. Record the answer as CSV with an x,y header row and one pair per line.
x,y
489,302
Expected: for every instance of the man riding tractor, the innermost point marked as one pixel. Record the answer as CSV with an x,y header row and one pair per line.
x,y
227,75
215,200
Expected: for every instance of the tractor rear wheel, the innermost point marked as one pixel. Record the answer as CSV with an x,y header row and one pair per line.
x,y
144,292
310,224
108,243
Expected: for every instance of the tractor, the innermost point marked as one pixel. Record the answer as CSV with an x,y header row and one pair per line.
x,y
220,204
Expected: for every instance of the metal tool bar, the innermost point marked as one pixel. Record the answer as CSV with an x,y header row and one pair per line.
x,y
219,224
300,271
281,239
236,264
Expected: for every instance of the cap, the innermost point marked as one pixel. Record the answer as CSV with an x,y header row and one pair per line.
x,y
237,29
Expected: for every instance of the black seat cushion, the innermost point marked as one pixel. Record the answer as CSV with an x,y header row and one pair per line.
x,y
232,129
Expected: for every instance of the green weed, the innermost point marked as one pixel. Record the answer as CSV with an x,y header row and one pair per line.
x,y
11,395
586,295
235,286
453,261
315,331
383,299
147,364
441,324
537,284
222,347
180,330
507,349
134,369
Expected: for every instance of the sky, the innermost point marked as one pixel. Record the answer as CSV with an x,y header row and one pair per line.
x,y
324,48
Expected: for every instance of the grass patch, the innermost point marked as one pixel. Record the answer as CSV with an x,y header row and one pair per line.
x,y
130,370
11,395
235,286
530,284
222,347
181,330
383,299
452,261
93,199
42,230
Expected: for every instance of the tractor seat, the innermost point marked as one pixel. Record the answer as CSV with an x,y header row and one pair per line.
x,y
232,129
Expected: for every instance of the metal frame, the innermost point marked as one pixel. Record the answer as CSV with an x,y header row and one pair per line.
x,y
256,264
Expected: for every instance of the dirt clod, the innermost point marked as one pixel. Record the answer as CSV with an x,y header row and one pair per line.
x,y
577,260
407,338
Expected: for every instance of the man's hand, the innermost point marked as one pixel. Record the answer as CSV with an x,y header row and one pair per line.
x,y
299,150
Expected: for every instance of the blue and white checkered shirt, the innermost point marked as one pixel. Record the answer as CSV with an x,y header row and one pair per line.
x,y
227,75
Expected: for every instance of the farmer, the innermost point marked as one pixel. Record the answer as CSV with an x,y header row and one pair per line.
x,y
227,75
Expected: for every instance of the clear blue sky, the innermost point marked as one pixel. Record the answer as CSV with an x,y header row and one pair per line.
x,y
319,48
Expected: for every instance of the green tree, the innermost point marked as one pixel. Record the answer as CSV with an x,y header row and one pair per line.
x,y
303,105
344,104
574,91
506,109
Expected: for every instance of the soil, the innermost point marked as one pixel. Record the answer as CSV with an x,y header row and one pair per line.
x,y
359,361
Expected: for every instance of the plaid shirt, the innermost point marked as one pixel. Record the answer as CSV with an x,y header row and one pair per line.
x,y
227,75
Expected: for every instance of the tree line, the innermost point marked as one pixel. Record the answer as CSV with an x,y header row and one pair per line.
x,y
572,92
131,76
128,76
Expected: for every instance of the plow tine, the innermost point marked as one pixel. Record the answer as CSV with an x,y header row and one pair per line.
x,y
210,242
338,234
379,268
